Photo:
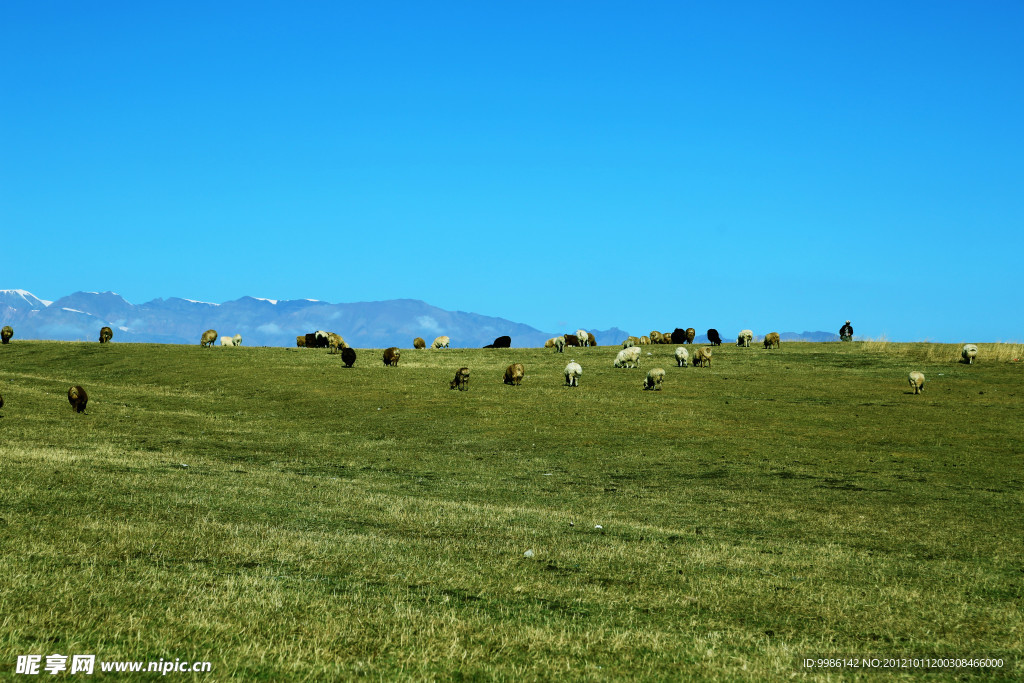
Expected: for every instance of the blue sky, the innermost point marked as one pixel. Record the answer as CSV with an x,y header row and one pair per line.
x,y
778,166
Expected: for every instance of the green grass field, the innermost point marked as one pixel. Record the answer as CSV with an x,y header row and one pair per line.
x,y
285,518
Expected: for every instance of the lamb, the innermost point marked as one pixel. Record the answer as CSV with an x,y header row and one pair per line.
x,y
969,353
231,341
106,334
630,341
461,381
77,398
391,356
627,357
744,338
771,340
514,374
573,371
418,343
441,343
654,378
681,356
690,334
916,380
348,356
6,333
702,358
208,339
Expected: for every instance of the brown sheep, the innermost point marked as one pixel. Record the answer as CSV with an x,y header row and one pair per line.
x,y
77,398
418,343
571,340
300,340
106,334
690,334
655,337
702,358
208,339
514,374
591,339
348,356
391,356
461,381
6,333
335,342
771,340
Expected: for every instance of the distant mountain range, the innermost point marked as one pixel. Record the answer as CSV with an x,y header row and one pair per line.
x,y
269,322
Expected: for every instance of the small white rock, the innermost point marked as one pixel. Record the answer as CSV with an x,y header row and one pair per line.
x,y
528,553
598,526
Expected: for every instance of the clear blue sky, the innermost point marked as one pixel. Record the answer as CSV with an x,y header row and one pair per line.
x,y
772,165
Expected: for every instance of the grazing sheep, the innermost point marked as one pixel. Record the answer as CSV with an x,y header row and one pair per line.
x,y
714,338
504,342
654,379
559,344
571,340
583,336
771,340
681,356
335,342
690,335
348,356
227,341
644,340
514,374
6,333
916,380
702,357
655,337
106,334
300,340
591,339
461,381
630,341
441,343
969,353
208,339
550,343
628,357
744,338
846,332
573,371
391,356
418,343
238,339
77,398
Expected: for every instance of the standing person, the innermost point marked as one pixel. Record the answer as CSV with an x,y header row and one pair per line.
x,y
846,332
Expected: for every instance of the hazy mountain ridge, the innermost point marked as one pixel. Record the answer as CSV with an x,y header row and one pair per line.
x,y
263,322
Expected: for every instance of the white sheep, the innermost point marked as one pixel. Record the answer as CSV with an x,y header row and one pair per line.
x,y
654,379
744,338
584,337
628,357
559,344
230,341
682,356
572,374
441,342
916,381
969,353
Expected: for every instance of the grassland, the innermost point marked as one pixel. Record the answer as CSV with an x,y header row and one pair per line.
x,y
285,518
